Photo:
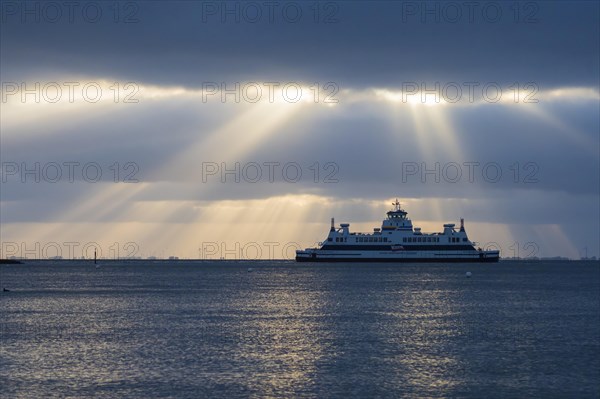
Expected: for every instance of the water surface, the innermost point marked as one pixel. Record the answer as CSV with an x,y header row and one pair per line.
x,y
150,329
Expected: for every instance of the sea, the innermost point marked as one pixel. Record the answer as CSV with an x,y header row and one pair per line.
x,y
278,329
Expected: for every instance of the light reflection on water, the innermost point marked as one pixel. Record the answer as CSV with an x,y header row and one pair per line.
x,y
285,330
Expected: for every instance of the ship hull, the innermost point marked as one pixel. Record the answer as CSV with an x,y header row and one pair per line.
x,y
397,257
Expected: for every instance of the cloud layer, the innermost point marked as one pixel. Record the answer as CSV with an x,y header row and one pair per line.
x,y
175,124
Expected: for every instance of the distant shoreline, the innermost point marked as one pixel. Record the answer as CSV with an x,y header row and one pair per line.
x,y
112,261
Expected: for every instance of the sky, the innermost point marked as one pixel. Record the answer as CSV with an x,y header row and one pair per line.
x,y
238,129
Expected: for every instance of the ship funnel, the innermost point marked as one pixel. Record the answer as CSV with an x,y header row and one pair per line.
x,y
462,224
332,224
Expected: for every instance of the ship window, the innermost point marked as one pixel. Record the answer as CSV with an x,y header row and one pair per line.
x,y
404,239
448,239
465,239
428,239
329,239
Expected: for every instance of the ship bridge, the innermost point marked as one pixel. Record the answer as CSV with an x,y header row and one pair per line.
x,y
397,219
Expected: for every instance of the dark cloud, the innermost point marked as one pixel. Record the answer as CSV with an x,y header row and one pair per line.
x,y
368,44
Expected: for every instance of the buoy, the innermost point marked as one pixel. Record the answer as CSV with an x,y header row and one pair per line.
x,y
468,274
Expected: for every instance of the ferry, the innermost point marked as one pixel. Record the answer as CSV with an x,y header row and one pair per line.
x,y
397,241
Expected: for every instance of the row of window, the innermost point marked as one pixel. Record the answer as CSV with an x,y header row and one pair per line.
x,y
371,239
421,239
404,239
